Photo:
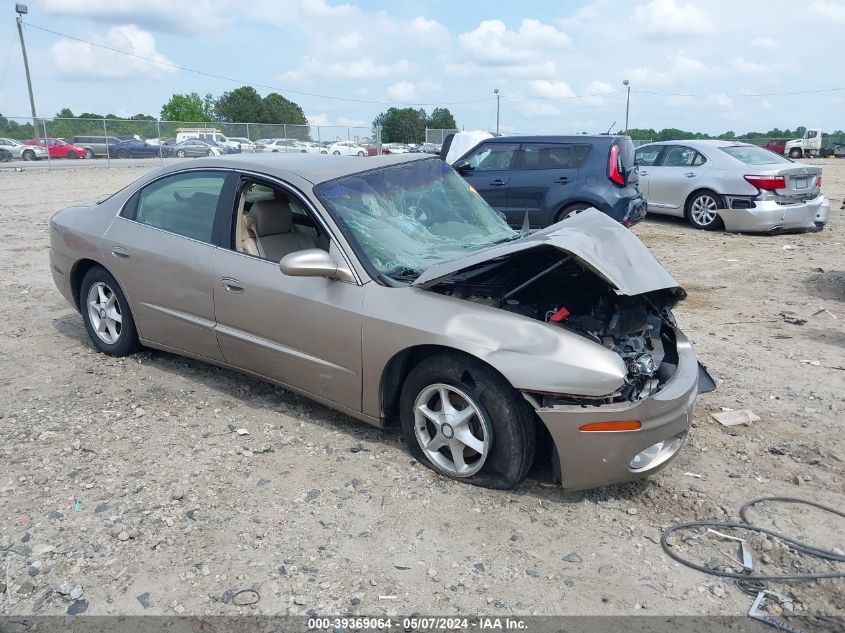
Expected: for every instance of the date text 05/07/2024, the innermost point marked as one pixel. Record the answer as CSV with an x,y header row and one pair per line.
x,y
420,624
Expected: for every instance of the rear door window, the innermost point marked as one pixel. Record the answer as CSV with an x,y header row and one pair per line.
x,y
554,155
647,156
681,156
184,204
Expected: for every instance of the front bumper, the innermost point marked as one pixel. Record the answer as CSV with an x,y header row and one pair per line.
x,y
768,215
589,460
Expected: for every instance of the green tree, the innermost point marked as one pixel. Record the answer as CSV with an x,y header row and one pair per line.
x,y
188,107
407,125
277,109
441,119
241,105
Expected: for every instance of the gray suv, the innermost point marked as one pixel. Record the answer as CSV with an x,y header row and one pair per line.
x,y
93,145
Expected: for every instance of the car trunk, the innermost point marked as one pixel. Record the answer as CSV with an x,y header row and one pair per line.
x,y
801,182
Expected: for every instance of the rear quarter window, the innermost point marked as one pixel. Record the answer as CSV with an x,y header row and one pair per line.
x,y
554,155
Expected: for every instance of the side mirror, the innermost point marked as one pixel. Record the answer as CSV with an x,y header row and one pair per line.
x,y
314,262
462,166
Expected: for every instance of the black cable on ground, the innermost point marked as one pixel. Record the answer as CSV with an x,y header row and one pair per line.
x,y
747,525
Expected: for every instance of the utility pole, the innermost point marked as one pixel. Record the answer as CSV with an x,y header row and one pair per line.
x,y
627,84
496,92
21,9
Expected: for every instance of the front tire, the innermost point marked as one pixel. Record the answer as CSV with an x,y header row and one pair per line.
x,y
180,153
28,154
336,153
701,209
72,155
361,154
89,153
463,420
106,314
795,153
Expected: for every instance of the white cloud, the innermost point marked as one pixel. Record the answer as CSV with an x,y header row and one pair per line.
x,y
829,10
366,68
352,122
75,60
740,64
428,32
669,18
320,9
678,67
492,44
725,105
349,41
596,89
317,119
408,91
645,76
539,110
764,42
550,89
161,15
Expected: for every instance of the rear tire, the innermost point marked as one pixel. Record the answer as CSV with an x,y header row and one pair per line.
x,y
361,154
496,421
572,209
106,314
180,153
336,153
795,153
700,210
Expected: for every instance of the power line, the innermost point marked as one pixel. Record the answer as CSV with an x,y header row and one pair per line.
x,y
250,83
737,96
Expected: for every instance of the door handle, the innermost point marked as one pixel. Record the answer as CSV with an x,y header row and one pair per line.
x,y
643,173
562,180
690,174
498,182
232,285
119,253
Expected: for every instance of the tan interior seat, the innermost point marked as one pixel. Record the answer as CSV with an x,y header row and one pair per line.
x,y
272,224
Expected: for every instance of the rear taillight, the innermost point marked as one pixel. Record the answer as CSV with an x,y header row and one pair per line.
x,y
614,166
769,183
819,181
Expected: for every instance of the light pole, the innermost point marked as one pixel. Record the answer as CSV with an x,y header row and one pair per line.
x,y
496,92
21,9
627,84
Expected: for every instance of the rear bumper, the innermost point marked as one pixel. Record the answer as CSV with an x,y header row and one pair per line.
x,y
768,215
589,460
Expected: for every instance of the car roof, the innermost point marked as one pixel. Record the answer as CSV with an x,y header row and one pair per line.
x,y
701,143
550,138
315,168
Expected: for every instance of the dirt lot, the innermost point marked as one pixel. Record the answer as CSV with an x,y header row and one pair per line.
x,y
123,485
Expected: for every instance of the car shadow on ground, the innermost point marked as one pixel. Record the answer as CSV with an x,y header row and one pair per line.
x,y
257,395
827,284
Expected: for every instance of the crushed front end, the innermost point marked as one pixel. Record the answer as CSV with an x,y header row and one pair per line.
x,y
640,426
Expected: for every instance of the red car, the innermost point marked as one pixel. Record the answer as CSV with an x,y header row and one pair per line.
x,y
58,148
372,150
777,145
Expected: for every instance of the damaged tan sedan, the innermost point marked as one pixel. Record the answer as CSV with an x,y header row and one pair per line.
x,y
389,290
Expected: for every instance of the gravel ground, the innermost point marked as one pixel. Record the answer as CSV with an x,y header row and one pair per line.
x,y
124,489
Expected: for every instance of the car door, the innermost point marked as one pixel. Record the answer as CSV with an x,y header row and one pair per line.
x,y
646,158
304,332
546,175
674,177
488,168
161,249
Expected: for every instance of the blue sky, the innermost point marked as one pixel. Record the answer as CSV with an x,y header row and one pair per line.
x,y
559,65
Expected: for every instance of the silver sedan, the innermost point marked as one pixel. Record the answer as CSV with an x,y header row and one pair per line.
x,y
24,152
730,185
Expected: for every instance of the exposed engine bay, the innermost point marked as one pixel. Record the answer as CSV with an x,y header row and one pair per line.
x,y
551,286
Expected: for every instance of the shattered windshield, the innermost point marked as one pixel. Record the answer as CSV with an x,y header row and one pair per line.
x,y
406,217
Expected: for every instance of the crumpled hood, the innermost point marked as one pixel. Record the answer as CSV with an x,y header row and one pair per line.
x,y
597,241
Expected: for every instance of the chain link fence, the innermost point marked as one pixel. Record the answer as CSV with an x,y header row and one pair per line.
x,y
114,138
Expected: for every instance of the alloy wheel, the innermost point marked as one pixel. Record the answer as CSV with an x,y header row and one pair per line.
x,y
703,210
104,313
451,430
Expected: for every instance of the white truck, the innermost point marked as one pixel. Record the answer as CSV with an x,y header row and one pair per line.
x,y
205,134
808,146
